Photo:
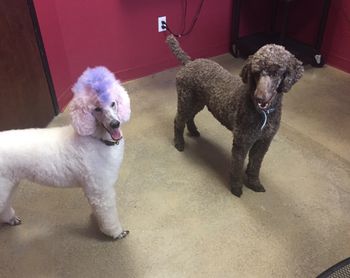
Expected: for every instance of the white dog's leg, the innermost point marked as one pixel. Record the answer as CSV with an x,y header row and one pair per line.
x,y
8,216
7,213
104,206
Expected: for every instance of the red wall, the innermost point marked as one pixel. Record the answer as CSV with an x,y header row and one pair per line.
x,y
122,34
336,45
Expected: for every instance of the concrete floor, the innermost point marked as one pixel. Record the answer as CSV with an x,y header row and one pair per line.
x,y
183,220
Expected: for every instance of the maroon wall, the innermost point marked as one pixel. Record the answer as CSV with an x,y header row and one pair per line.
x,y
336,44
122,34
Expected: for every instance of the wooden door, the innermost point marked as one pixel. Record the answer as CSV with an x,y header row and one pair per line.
x,y
25,98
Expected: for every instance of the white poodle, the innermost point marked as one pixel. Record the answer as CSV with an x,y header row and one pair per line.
x,y
87,153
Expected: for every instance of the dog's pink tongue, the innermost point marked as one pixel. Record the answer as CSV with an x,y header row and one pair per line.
x,y
116,134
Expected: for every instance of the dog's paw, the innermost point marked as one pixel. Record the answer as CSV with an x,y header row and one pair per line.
x,y
180,147
194,133
255,186
237,191
122,235
14,221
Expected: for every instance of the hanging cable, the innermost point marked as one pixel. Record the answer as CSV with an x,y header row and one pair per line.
x,y
194,21
184,15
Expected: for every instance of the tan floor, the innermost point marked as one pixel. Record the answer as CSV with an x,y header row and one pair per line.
x,y
184,222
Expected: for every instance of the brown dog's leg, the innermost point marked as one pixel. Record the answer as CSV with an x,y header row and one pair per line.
x,y
192,129
187,108
256,156
240,150
179,126
191,126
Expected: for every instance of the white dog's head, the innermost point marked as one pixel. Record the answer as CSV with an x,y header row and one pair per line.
x,y
99,101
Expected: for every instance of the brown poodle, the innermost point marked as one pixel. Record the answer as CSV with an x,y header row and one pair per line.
x,y
249,106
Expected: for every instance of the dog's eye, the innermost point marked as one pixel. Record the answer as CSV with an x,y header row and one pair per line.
x,y
98,109
113,104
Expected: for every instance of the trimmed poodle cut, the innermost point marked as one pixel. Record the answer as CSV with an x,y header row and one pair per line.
x,y
88,153
250,106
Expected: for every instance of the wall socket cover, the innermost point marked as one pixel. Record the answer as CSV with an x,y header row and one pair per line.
x,y
160,19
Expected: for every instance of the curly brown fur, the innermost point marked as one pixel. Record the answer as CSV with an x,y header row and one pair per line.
x,y
237,103
178,52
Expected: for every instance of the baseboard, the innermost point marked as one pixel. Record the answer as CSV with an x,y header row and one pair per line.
x,y
148,69
338,62
144,70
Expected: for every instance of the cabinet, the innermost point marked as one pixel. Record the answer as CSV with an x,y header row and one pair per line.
x,y
247,45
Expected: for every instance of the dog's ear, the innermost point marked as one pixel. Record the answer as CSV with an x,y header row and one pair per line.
x,y
246,70
123,102
293,73
83,121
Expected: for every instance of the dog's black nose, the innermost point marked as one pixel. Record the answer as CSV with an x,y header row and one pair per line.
x,y
260,98
114,124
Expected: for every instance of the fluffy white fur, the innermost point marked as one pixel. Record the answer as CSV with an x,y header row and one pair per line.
x,y
73,155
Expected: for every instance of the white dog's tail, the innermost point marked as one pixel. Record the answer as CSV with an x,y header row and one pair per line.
x,y
177,50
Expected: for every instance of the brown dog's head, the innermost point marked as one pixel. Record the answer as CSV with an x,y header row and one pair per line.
x,y
271,70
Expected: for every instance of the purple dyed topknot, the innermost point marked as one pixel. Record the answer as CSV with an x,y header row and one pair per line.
x,y
100,79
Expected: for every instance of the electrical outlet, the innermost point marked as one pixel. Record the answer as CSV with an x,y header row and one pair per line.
x,y
161,27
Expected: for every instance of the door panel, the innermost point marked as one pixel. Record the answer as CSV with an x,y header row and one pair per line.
x,y
25,99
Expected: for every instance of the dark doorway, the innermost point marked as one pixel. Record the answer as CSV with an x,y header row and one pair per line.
x,y
27,98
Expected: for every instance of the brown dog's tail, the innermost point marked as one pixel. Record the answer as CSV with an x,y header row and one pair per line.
x,y
177,50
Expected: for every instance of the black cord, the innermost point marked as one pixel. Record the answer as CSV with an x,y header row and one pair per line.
x,y
184,15
194,21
